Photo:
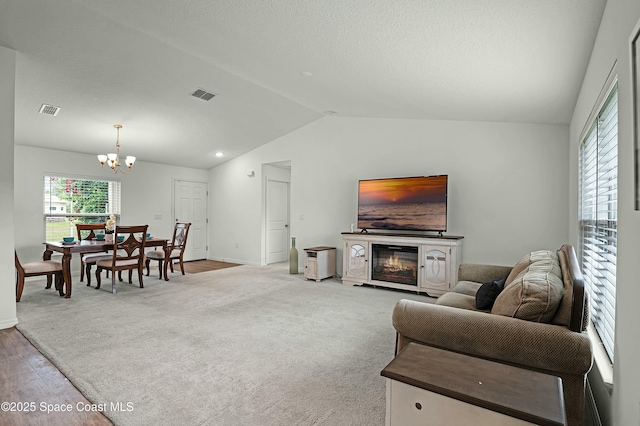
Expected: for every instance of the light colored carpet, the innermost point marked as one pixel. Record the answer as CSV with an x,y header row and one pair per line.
x,y
239,346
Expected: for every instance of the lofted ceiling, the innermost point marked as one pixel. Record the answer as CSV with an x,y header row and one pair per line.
x,y
277,65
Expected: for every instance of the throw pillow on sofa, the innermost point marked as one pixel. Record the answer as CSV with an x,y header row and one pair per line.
x,y
534,295
487,294
528,259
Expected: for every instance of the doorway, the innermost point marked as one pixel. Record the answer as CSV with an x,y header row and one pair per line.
x,y
276,211
190,205
277,221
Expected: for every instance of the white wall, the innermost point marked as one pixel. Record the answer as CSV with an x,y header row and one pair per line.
x,y
7,265
612,44
146,191
507,183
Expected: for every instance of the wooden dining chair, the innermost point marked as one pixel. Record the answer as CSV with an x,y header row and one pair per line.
x,y
45,267
175,250
87,231
128,254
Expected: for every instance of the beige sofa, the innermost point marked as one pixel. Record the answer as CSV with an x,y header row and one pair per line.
x,y
537,322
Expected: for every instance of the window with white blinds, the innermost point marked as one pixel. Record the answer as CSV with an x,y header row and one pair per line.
x,y
598,217
68,201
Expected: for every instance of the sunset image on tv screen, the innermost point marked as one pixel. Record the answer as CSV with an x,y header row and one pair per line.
x,y
416,203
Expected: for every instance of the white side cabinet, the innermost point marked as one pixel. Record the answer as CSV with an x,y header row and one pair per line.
x,y
319,263
413,262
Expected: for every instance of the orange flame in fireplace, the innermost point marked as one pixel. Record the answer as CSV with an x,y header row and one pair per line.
x,y
393,262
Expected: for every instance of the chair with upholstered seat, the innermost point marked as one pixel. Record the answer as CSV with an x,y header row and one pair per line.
x,y
128,254
175,251
87,231
50,268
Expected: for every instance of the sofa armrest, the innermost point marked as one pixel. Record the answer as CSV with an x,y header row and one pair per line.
x,y
482,273
531,345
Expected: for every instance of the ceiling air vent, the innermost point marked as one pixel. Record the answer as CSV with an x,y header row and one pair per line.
x,y
49,110
203,94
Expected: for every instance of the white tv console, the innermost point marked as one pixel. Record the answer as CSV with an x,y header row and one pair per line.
x,y
416,262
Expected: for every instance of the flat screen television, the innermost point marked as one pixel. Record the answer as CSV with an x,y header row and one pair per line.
x,y
409,204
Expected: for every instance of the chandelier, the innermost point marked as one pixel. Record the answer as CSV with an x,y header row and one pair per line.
x,y
113,160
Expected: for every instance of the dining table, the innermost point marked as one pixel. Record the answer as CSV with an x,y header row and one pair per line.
x,y
89,246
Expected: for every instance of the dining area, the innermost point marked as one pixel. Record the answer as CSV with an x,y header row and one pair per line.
x,y
110,249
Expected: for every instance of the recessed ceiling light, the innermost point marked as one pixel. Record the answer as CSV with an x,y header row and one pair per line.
x,y
306,74
219,154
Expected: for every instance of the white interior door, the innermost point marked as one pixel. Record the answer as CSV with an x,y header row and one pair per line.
x,y
277,236
190,205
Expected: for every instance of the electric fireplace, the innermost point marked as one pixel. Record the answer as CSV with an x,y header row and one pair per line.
x,y
396,264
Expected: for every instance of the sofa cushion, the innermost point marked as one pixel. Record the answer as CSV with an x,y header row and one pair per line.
x,y
481,273
457,300
534,294
527,260
550,266
470,288
488,292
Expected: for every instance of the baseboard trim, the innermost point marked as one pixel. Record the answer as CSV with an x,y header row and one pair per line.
x,y
592,408
8,323
238,261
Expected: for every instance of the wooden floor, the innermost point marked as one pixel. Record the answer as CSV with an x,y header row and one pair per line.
x,y
29,382
203,266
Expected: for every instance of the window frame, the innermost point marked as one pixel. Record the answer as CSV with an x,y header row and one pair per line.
x,y
597,229
67,215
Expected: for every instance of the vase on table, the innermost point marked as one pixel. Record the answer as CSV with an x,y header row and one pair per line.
x,y
108,237
293,257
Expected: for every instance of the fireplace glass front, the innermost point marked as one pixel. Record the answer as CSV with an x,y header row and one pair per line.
x,y
396,264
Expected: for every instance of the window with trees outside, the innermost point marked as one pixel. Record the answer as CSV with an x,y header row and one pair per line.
x,y
599,217
68,201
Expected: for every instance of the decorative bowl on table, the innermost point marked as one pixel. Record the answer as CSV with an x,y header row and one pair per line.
x,y
148,236
100,237
67,240
120,238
